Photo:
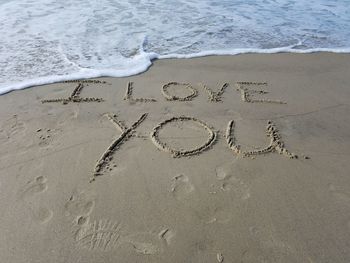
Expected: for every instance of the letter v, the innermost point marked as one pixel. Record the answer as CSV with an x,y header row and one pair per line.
x,y
215,96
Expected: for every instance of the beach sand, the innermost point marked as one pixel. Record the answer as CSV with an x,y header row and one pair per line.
x,y
149,172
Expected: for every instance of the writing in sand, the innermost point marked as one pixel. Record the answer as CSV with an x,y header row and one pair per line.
x,y
248,94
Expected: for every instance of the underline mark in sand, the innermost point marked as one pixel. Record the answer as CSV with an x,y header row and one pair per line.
x,y
74,97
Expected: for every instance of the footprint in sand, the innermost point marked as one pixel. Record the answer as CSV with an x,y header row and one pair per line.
x,y
150,243
100,235
115,167
36,186
269,253
166,235
240,189
269,248
232,183
45,136
79,204
181,186
12,127
42,215
105,235
222,174
221,216
33,187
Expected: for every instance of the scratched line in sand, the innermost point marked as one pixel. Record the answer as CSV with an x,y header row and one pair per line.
x,y
98,235
129,97
247,94
126,134
215,96
105,235
75,95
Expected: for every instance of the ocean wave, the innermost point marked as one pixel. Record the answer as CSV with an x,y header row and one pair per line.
x,y
46,41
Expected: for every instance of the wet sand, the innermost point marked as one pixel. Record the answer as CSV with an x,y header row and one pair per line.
x,y
217,159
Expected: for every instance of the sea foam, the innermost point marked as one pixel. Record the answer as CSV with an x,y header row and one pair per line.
x,y
46,41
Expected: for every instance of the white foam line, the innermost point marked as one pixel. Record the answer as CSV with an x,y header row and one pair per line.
x,y
82,74
85,73
254,51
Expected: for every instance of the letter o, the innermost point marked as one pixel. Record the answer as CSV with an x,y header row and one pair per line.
x,y
167,96
178,153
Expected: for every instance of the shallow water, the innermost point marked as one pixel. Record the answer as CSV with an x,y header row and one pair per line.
x,y
44,41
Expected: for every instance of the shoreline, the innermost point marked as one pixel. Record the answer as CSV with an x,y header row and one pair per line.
x,y
213,159
152,58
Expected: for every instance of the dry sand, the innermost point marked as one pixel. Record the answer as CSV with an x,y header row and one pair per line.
x,y
209,168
